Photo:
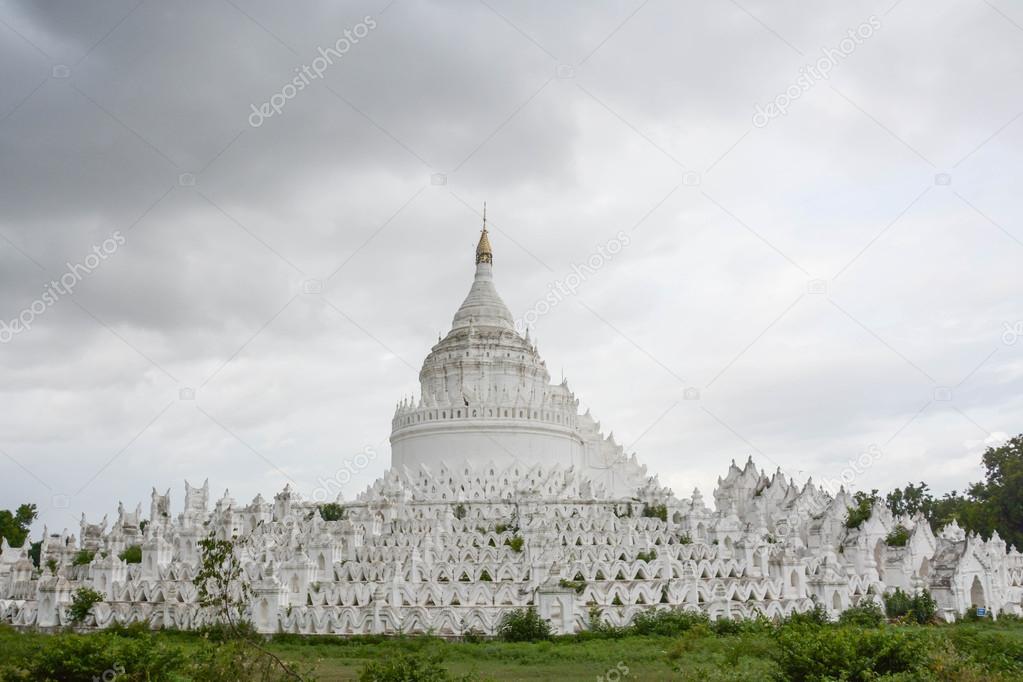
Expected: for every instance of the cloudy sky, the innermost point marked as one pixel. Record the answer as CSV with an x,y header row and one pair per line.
x,y
827,258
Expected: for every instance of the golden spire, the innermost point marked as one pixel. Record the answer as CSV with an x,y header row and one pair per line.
x,y
483,252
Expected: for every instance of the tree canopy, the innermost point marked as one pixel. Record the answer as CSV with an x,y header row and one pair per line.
x,y
996,503
14,526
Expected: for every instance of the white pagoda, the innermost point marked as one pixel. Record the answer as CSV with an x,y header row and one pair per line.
x,y
500,495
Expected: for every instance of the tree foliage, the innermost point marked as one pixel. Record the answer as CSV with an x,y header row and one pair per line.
x,y
920,607
223,587
656,511
863,505
132,554
996,503
82,602
898,537
14,525
523,625
221,581
83,557
331,511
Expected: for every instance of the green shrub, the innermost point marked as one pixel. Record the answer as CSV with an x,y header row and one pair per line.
x,y
331,511
83,557
226,632
867,615
516,543
666,622
898,537
741,627
132,630
924,608
656,511
813,653
82,602
920,608
405,667
862,509
685,539
523,625
73,658
646,556
599,629
816,616
897,603
131,555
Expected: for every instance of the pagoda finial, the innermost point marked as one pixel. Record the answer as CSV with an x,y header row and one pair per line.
x,y
483,251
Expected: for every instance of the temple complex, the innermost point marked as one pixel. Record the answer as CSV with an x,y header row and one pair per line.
x,y
500,495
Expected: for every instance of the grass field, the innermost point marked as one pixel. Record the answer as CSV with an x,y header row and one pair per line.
x,y
696,651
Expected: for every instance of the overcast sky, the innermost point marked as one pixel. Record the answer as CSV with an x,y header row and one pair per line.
x,y
252,293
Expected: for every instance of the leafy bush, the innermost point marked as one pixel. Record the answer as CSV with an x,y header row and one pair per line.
x,y
666,622
867,615
131,555
646,556
577,585
82,602
898,537
921,608
860,512
225,632
812,653
73,658
685,539
656,511
816,616
331,511
405,667
741,627
515,542
523,625
132,630
83,557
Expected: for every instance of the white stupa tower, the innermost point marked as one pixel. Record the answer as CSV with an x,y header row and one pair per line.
x,y
486,398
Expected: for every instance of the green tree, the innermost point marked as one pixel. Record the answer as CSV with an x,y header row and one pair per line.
x,y
34,550
999,499
224,589
994,504
910,500
82,602
864,504
14,526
